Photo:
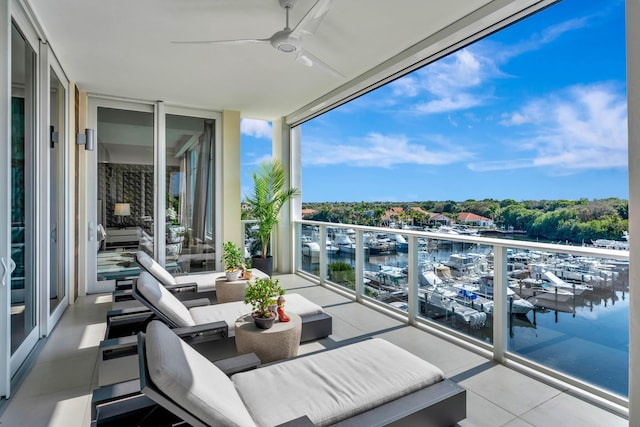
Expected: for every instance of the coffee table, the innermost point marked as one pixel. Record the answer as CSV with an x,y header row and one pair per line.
x,y
281,341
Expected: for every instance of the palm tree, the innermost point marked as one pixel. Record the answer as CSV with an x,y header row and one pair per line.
x,y
268,198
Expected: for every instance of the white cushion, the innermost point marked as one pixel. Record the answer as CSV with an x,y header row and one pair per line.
x,y
227,312
205,282
163,300
191,380
334,385
159,272
301,306
230,311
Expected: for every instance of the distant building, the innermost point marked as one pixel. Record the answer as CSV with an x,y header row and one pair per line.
x,y
308,212
469,218
391,215
438,218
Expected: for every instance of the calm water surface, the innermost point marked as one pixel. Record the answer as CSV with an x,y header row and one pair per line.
x,y
587,338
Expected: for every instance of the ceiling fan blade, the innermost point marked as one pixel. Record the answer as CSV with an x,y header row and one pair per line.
x,y
312,20
236,41
309,60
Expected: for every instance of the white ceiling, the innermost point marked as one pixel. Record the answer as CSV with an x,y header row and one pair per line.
x,y
123,47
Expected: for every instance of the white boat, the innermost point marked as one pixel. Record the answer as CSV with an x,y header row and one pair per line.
x,y
613,244
311,250
541,290
332,249
468,264
577,289
440,300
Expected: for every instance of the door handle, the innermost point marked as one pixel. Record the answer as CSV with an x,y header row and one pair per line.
x,y
5,272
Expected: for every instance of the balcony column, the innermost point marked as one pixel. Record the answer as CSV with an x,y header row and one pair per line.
x,y
633,111
288,153
228,226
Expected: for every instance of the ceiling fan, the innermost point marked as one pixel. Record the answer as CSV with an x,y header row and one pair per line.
x,y
289,40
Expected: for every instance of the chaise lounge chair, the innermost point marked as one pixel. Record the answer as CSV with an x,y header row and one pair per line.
x,y
200,324
204,282
165,306
185,287
370,383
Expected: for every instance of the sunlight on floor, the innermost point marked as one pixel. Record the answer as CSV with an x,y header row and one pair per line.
x,y
92,334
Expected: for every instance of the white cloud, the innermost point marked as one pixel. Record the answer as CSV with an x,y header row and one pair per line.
x,y
461,80
383,151
256,128
581,127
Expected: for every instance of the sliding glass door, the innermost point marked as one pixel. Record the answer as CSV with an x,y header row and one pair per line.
x,y
55,144
190,155
24,301
153,189
121,199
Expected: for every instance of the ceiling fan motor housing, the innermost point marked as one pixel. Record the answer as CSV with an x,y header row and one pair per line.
x,y
283,41
287,3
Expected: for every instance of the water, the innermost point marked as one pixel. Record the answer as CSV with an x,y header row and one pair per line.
x,y
587,337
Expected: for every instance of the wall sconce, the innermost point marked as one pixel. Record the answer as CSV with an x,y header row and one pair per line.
x,y
122,210
88,139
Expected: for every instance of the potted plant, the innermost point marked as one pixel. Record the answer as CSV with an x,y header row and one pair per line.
x,y
233,258
260,294
269,195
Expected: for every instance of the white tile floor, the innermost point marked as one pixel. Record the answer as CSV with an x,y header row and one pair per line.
x,y
57,391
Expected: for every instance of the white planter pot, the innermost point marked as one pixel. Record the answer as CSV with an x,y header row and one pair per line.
x,y
233,276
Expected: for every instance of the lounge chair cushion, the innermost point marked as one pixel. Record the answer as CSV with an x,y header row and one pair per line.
x,y
230,311
191,380
163,300
205,282
154,268
334,385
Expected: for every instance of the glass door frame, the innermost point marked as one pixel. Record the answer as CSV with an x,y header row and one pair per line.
x,y
165,110
91,181
12,13
48,319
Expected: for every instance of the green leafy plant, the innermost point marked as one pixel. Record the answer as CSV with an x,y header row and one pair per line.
x,y
340,266
269,195
260,294
232,256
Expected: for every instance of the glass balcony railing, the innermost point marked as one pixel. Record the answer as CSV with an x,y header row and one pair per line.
x,y
560,310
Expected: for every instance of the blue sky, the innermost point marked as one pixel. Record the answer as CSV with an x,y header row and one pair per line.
x,y
535,111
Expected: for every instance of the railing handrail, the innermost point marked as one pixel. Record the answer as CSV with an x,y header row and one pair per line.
x,y
519,244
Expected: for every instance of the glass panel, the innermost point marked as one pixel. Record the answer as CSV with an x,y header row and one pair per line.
x,y
456,286
125,190
23,286
56,125
190,240
580,324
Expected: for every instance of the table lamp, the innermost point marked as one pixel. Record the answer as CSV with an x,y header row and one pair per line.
x,y
122,210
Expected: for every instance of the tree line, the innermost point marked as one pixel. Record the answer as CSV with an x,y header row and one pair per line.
x,y
575,221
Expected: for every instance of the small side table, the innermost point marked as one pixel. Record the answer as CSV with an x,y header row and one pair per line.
x,y
234,291
281,341
230,291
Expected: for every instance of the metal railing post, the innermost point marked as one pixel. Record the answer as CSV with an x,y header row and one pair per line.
x,y
413,280
500,308
322,260
359,264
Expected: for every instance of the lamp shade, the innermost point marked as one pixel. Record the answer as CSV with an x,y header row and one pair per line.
x,y
122,209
